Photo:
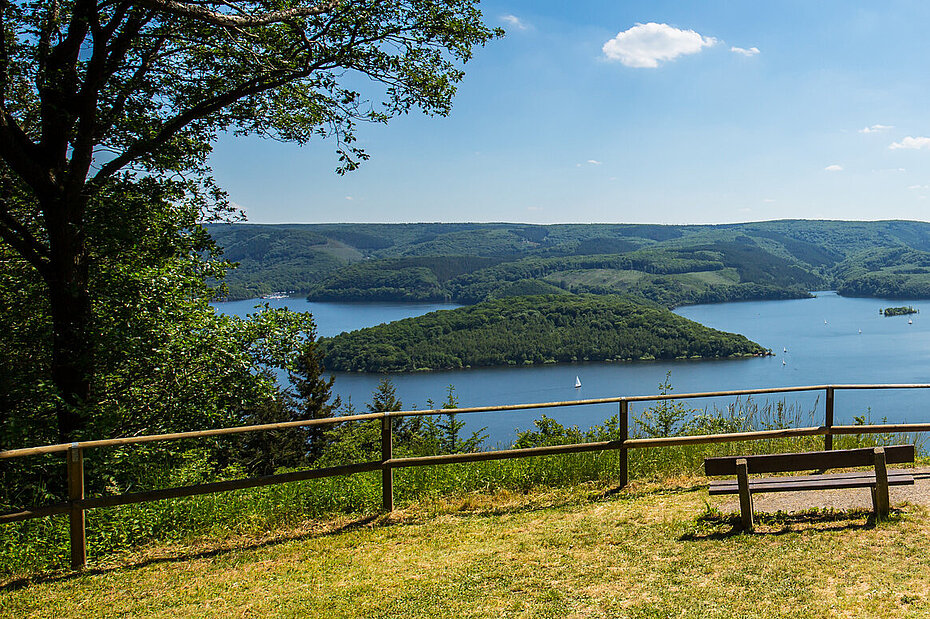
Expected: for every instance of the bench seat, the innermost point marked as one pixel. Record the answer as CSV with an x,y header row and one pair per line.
x,y
877,480
856,479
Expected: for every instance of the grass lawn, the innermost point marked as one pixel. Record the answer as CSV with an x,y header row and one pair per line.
x,y
584,552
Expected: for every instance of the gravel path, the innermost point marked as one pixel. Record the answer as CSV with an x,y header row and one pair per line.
x,y
851,498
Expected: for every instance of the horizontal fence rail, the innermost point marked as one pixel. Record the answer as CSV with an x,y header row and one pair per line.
x,y
77,503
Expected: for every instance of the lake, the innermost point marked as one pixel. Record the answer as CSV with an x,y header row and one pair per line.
x,y
822,337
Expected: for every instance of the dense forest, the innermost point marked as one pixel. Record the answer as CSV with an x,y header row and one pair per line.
x,y
528,330
672,265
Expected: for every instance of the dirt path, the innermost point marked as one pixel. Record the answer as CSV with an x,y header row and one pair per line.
x,y
851,498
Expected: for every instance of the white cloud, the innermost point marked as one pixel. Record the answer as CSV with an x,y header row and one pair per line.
x,y
875,128
534,208
349,198
769,200
911,143
834,168
513,20
752,51
645,45
594,162
916,187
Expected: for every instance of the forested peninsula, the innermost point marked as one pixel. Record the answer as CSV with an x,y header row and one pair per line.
x,y
531,330
671,265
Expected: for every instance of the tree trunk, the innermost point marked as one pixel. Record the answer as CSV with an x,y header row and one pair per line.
x,y
72,320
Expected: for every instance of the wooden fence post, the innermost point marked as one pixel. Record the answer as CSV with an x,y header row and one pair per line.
x,y
880,500
75,494
745,496
828,437
387,473
624,435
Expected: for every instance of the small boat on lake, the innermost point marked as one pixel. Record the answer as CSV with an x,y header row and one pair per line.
x,y
577,382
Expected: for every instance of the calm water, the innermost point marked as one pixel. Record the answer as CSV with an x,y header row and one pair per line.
x,y
821,336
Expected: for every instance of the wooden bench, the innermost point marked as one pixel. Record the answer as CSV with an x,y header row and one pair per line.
x,y
878,479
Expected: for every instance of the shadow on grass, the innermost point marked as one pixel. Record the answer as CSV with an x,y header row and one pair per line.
x,y
715,526
34,579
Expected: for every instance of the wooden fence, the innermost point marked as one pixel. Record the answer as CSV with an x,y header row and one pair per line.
x,y
78,503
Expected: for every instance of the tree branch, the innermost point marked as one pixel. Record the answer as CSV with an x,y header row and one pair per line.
x,y
21,239
209,106
226,20
19,152
119,102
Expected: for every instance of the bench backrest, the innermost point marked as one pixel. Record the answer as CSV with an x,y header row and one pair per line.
x,y
835,459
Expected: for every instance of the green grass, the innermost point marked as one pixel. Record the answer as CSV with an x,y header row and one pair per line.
x,y
722,277
41,546
623,280
596,277
584,551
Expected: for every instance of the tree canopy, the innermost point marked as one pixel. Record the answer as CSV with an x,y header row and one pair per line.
x,y
108,109
529,330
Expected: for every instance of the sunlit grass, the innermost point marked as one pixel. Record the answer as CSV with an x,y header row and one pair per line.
x,y
583,551
42,544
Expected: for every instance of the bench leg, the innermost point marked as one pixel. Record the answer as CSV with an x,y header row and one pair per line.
x,y
880,500
745,497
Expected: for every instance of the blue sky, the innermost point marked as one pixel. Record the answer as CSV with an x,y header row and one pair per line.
x,y
655,112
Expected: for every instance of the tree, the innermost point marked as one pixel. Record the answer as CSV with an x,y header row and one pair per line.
x,y
104,98
449,428
311,398
667,417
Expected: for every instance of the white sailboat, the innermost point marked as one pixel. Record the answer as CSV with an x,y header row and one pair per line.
x,y
577,382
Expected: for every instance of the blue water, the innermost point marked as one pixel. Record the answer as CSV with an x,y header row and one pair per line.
x,y
821,336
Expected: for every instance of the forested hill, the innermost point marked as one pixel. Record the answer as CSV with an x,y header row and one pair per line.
x,y
530,330
672,265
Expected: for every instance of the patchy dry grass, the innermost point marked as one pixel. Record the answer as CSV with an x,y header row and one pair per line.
x,y
652,551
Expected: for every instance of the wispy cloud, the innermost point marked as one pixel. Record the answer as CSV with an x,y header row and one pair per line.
x,y
834,168
516,22
752,51
594,162
646,45
875,128
911,143
916,187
